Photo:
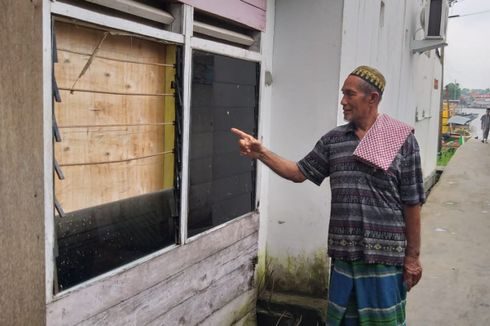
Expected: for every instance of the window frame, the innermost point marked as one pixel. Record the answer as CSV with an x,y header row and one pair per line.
x,y
192,43
188,43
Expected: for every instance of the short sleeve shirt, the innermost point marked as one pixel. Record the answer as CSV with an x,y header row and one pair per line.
x,y
367,220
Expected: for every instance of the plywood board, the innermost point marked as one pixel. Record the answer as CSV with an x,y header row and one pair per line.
x,y
91,185
116,116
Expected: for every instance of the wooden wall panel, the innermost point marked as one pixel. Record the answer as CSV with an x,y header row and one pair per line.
x,y
215,269
22,259
116,116
223,276
81,146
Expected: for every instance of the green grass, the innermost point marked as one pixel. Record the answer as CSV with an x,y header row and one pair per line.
x,y
445,155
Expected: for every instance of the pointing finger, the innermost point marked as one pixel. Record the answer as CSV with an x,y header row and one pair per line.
x,y
240,133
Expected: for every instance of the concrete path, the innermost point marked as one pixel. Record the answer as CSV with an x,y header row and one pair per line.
x,y
455,286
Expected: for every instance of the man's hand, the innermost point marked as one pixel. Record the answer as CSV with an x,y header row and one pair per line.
x,y
412,271
249,146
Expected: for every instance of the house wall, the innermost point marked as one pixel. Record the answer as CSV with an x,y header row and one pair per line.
x,y
208,277
306,60
208,280
383,41
22,269
313,41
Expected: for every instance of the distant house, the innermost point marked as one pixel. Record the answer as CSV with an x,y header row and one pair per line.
x,y
481,101
124,200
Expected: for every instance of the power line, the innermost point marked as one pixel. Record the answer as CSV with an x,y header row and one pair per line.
x,y
471,14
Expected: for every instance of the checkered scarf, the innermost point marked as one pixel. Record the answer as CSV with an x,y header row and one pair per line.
x,y
382,142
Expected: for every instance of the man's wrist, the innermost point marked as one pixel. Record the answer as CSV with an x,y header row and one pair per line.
x,y
412,253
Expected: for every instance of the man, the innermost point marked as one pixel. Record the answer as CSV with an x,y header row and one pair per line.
x,y
374,232
485,125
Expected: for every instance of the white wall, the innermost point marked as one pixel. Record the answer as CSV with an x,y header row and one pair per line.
x,y
306,60
316,45
370,39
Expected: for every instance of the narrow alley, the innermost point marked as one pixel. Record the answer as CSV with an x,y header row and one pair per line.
x,y
454,289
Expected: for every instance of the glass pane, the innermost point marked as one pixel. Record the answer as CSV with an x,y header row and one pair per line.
x,y
222,183
117,123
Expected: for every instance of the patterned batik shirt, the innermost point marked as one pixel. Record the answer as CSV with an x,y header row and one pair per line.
x,y
367,220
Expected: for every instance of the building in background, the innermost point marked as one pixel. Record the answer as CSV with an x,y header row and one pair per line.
x,y
123,196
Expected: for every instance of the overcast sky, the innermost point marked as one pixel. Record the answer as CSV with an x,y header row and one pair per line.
x,y
467,57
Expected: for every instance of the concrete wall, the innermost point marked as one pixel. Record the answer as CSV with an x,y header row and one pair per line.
x,y
22,278
306,60
379,33
316,45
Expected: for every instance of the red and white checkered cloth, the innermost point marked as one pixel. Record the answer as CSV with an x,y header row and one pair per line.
x,y
382,142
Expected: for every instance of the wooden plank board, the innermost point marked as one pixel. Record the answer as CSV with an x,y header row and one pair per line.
x,y
91,185
101,109
106,144
95,297
104,75
164,300
204,304
235,312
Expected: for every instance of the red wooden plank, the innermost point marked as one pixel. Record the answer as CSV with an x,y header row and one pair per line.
x,y
236,10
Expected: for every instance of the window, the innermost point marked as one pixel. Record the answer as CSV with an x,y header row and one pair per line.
x,y
115,149
119,131
222,183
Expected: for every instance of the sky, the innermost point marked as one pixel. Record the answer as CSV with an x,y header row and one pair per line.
x,y
467,57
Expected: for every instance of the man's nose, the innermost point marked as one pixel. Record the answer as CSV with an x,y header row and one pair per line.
x,y
343,102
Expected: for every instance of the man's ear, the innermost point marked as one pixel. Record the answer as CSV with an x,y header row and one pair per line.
x,y
373,98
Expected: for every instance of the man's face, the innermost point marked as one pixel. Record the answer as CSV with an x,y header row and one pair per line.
x,y
354,102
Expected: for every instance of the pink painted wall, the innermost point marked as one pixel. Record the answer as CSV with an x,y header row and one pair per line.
x,y
248,12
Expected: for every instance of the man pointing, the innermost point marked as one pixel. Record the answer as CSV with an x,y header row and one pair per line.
x,y
377,189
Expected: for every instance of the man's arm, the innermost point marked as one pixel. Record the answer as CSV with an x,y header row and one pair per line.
x,y
412,266
251,147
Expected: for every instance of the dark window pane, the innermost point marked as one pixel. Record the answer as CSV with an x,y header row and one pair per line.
x,y
222,183
96,240
435,18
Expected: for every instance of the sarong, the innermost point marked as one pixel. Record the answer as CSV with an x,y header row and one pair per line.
x,y
366,295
